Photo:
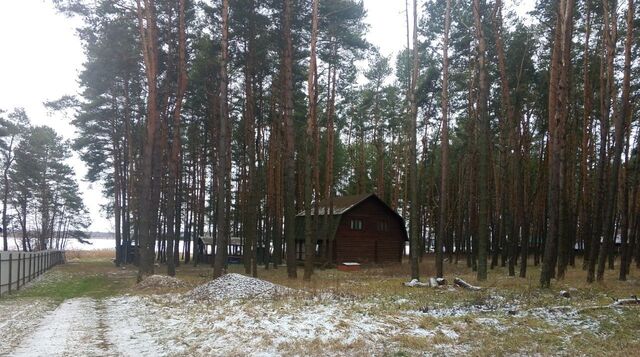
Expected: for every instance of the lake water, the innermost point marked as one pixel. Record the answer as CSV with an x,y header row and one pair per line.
x,y
72,244
96,244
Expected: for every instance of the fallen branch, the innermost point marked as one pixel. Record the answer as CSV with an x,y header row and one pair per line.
x,y
632,301
463,284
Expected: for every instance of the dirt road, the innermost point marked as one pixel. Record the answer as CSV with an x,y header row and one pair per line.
x,y
77,327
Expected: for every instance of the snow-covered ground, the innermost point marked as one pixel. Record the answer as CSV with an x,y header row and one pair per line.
x,y
237,315
76,325
170,325
18,319
178,325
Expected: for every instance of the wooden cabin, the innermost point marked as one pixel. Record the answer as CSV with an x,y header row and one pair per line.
x,y
364,230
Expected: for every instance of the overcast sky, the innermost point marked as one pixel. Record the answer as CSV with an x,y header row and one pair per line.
x,y
42,56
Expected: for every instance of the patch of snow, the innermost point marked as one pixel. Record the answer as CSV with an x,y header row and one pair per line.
x,y
416,283
453,349
72,327
125,330
261,328
493,303
449,333
563,316
492,323
420,332
18,318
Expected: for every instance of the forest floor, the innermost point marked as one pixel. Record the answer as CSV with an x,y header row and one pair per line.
x,y
88,307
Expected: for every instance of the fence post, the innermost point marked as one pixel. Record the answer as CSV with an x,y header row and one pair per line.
x,y
1,274
18,276
29,267
10,268
24,268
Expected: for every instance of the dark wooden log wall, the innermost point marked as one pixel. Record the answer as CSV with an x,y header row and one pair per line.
x,y
374,243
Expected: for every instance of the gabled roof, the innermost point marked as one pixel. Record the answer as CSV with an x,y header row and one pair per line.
x,y
344,204
340,204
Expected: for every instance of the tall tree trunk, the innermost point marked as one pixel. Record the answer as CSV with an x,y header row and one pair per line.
x,y
222,174
564,104
610,30
558,95
117,188
483,146
328,214
511,126
414,235
290,164
444,143
174,155
595,246
584,193
8,160
626,113
250,139
310,182
149,39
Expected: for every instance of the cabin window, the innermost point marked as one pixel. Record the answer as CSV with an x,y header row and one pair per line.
x,y
383,226
356,224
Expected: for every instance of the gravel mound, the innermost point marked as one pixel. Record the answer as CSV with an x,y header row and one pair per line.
x,y
161,282
236,286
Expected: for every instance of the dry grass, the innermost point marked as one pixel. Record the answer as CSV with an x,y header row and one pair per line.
x,y
85,255
384,282
378,291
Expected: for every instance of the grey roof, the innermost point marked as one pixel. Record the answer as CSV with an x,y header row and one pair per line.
x,y
340,204
208,240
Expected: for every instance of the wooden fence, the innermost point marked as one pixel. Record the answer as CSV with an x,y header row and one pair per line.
x,y
19,268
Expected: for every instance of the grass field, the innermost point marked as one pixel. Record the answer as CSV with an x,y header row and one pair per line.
x,y
509,316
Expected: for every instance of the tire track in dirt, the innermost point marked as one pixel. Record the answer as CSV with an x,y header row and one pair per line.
x,y
88,327
73,329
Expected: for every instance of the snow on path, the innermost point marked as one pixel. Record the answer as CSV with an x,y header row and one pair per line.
x,y
126,331
18,318
74,329
88,327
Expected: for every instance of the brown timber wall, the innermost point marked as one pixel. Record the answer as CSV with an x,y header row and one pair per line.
x,y
370,244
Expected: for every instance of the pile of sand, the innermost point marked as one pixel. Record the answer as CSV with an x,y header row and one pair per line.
x,y
161,282
236,286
